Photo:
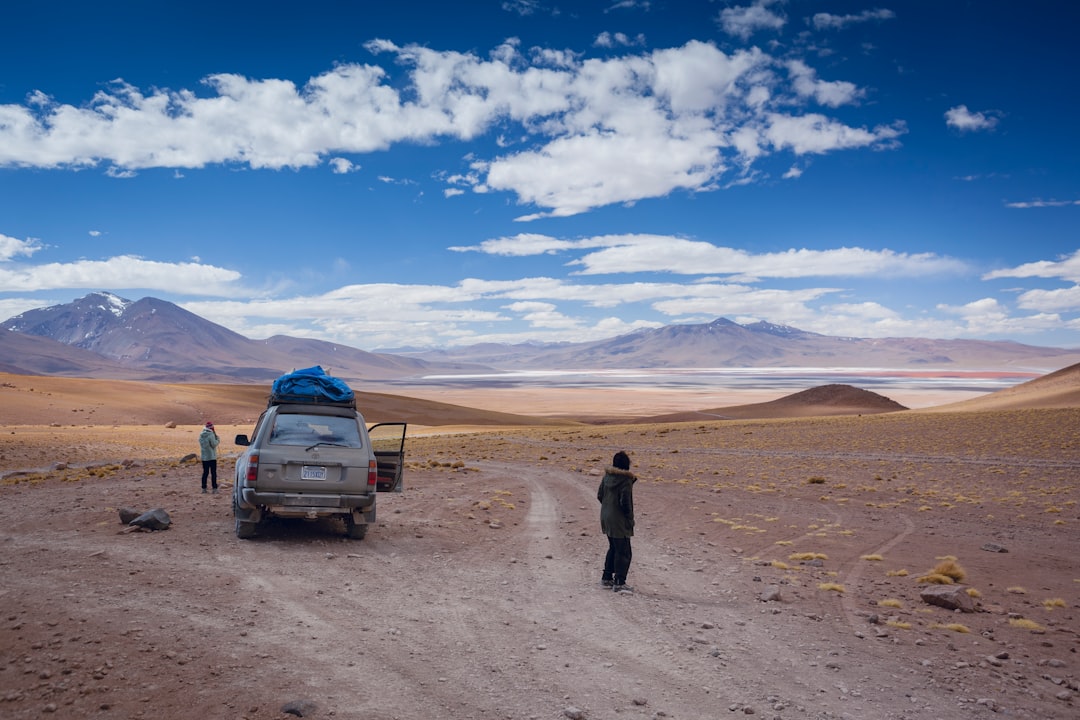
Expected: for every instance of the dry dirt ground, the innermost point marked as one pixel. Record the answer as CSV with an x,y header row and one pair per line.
x,y
477,594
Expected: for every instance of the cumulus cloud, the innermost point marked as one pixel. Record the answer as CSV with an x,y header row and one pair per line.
x,y
964,120
11,248
120,273
595,131
742,21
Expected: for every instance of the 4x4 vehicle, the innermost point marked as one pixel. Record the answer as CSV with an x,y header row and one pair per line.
x,y
312,458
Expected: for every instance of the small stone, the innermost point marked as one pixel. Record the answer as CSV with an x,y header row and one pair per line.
x,y
573,713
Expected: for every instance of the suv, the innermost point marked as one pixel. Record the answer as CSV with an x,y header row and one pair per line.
x,y
315,460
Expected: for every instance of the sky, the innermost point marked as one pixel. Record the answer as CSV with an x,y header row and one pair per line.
x,y
434,174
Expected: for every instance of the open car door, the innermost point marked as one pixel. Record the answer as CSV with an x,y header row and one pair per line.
x,y
388,442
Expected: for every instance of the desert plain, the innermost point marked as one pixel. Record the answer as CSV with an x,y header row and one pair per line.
x,y
780,561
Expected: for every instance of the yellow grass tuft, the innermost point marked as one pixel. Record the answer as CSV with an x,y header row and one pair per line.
x,y
898,624
950,568
816,480
872,558
897,573
808,556
1025,624
1051,603
834,587
935,579
955,627
1016,590
890,602
783,542
780,565
973,593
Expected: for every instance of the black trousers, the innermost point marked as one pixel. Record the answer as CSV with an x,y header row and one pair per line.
x,y
617,561
209,467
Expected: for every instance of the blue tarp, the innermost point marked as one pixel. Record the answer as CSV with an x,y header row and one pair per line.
x,y
310,385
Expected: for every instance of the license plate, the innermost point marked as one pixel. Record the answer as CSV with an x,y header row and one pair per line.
x,y
312,472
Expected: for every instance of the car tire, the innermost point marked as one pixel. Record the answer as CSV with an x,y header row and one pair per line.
x,y
355,530
245,529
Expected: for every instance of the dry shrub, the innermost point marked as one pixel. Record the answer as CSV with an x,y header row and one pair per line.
x,y
890,602
1025,624
973,593
1016,590
898,624
872,558
935,579
1051,603
834,587
955,627
950,568
808,556
897,573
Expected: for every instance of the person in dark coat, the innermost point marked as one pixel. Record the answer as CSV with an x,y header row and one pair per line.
x,y
616,496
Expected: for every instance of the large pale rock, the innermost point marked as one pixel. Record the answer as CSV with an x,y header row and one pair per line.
x,y
950,597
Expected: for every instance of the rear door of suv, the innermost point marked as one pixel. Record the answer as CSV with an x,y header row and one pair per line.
x,y
388,442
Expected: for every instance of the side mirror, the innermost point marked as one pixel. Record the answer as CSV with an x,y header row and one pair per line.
x,y
242,440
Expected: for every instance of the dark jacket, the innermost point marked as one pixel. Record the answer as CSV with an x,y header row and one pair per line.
x,y
616,496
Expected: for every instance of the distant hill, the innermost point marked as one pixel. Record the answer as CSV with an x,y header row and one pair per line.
x,y
103,335
1059,389
723,343
820,401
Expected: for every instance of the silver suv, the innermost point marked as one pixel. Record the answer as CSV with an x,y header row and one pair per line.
x,y
312,461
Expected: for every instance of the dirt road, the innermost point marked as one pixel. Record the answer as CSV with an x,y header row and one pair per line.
x,y
477,594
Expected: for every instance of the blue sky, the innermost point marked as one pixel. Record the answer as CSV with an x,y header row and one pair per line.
x,y
416,174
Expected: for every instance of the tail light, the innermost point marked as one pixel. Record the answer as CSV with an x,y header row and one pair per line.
x,y
372,473
252,469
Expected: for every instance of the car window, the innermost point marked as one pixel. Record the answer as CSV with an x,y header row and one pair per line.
x,y
312,429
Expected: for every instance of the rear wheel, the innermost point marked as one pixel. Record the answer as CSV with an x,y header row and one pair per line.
x,y
245,529
355,530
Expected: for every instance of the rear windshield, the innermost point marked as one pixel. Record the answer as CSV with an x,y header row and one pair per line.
x,y
309,430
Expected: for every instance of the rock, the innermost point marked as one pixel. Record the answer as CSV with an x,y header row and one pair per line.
x,y
156,519
170,424
128,514
190,457
299,708
770,594
573,713
992,547
950,597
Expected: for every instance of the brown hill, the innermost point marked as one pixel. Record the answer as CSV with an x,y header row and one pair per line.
x,y
39,400
821,401
1060,389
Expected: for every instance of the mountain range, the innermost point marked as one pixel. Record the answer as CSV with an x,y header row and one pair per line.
x,y
102,335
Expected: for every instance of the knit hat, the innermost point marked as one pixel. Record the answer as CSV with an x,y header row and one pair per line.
x,y
210,425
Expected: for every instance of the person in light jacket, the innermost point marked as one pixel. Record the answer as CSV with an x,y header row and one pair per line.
x,y
616,496
208,444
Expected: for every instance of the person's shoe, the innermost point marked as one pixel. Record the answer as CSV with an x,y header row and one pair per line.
x,y
607,582
215,491
622,588
204,491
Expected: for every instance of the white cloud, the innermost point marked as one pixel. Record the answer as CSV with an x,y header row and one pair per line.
x,y
830,94
11,248
828,21
1067,267
341,166
964,120
743,21
121,273
622,128
612,254
1042,204
610,40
